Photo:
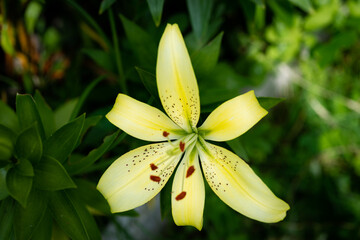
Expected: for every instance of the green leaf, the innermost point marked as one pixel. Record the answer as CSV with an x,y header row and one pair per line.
x,y
305,5
102,58
7,207
105,4
29,145
8,117
205,59
27,112
156,8
93,156
3,190
92,197
18,186
28,219
44,228
46,114
31,15
72,216
238,148
149,81
63,113
25,168
90,122
200,12
321,18
7,142
6,43
63,141
141,42
269,102
52,176
84,95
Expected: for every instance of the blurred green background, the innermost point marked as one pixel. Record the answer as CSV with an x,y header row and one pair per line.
x,y
307,150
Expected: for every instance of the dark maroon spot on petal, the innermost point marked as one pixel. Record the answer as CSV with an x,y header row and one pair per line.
x,y
180,196
182,146
153,166
155,178
190,171
165,133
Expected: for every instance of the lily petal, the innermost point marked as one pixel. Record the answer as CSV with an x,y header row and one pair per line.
x,y
142,121
176,80
238,186
188,192
233,118
137,176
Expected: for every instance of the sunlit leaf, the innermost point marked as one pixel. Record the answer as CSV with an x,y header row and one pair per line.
x,y
305,5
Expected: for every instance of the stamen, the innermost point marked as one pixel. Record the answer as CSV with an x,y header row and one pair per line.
x,y
182,146
190,171
180,196
165,133
153,166
155,178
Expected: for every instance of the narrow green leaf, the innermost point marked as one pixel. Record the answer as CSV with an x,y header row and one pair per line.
x,y
93,156
84,95
46,114
27,112
8,117
63,113
18,186
149,81
206,58
90,122
3,190
268,102
156,8
141,42
200,12
105,4
31,15
6,43
28,219
63,141
7,142
92,197
72,216
25,168
52,176
238,148
305,5
7,207
29,145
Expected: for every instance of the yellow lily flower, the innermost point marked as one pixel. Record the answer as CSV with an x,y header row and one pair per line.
x,y
139,175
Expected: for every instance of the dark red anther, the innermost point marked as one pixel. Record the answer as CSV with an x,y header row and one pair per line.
x,y
182,146
155,178
153,166
180,196
165,133
190,171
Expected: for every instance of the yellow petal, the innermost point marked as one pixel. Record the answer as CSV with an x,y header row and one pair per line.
x,y
233,118
142,121
238,186
137,176
188,192
176,80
